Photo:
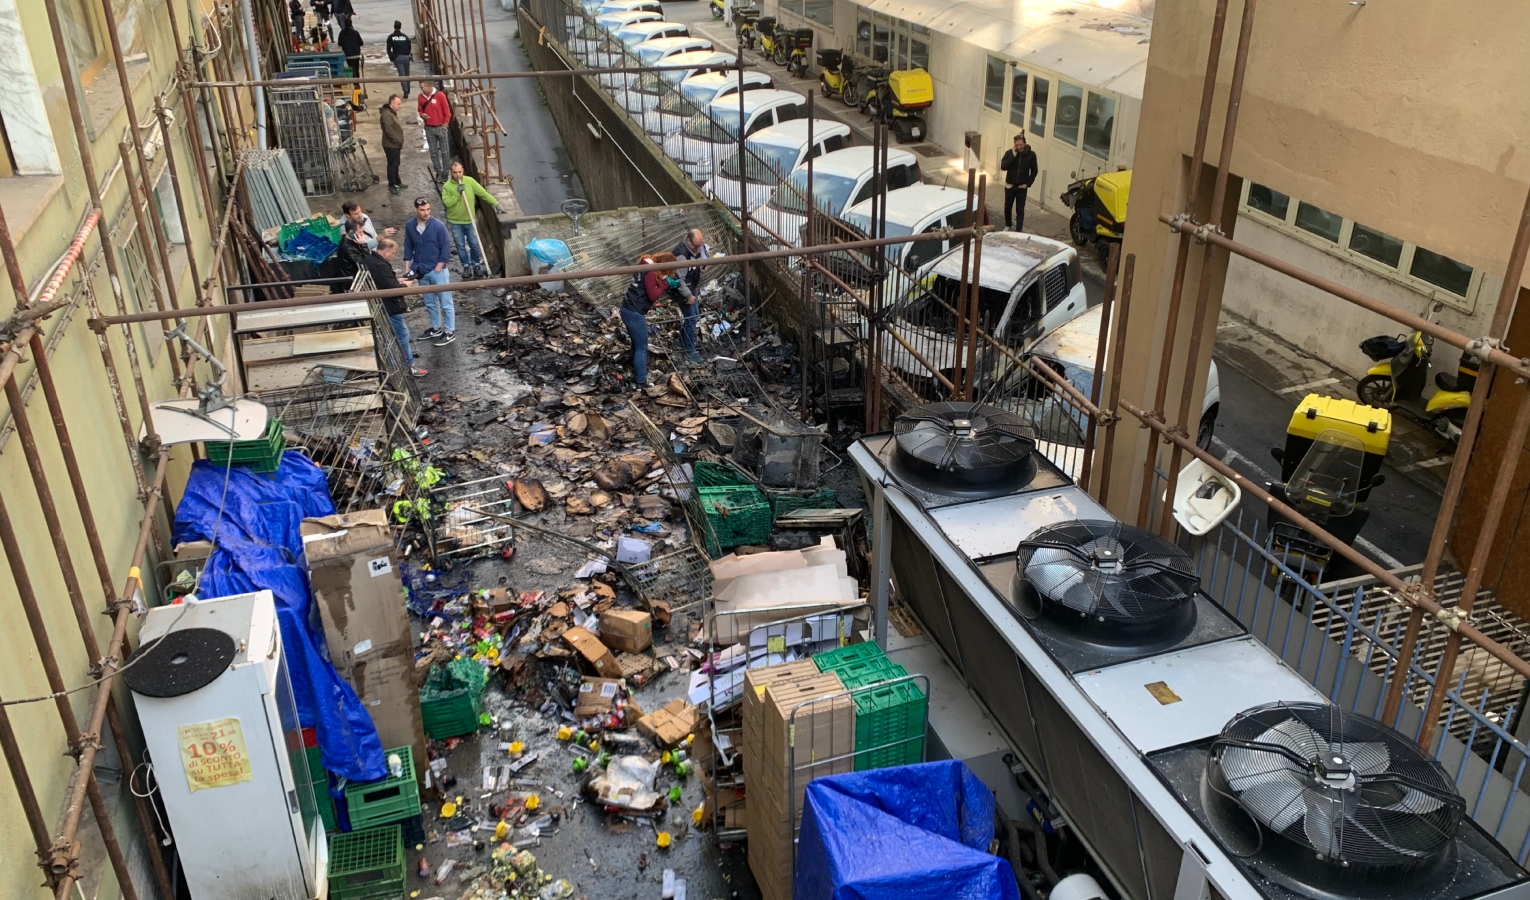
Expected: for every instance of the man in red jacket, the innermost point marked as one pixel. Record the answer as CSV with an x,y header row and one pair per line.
x,y
436,114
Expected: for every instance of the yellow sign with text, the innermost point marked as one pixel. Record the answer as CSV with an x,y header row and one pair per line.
x,y
213,754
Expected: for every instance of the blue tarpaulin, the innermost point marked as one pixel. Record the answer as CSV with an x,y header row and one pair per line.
x,y
917,832
258,546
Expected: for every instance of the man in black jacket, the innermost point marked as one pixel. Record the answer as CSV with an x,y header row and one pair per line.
x,y
295,11
350,44
399,51
343,11
693,247
379,263
1019,165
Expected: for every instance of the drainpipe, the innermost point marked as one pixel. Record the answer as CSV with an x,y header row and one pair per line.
x,y
250,54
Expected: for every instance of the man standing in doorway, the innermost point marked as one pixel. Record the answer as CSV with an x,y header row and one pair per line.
x,y
427,249
460,195
350,44
1019,165
693,247
392,141
379,263
436,114
399,51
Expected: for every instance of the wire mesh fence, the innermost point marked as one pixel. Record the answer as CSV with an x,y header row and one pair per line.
x,y
306,129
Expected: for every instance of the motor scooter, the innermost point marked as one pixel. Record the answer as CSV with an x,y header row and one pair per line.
x,y
1401,373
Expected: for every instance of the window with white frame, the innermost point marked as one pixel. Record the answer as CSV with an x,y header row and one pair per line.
x,y
1433,274
887,39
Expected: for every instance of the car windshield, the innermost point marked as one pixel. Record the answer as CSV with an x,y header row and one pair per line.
x,y
720,126
633,38
862,222
765,164
677,104
650,55
829,192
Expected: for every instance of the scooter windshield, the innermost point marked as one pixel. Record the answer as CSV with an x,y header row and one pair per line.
x,y
1327,481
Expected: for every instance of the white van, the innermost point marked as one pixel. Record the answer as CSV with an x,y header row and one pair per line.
x,y
771,153
914,210
614,53
840,180
593,36
1029,286
652,87
653,53
1072,349
707,135
696,91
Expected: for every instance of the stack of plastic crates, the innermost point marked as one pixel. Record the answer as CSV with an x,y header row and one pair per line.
x,y
890,713
739,514
368,865
264,454
452,699
707,474
386,802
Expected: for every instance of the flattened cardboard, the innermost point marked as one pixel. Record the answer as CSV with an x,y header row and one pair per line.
x,y
596,696
596,655
626,630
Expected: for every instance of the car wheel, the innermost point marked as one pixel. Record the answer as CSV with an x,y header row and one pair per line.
x,y
1076,230
1206,433
1375,390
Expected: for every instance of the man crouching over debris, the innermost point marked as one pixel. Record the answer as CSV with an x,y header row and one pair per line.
x,y
647,291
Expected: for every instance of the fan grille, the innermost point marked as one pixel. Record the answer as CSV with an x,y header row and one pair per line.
x,y
1107,570
1341,785
966,444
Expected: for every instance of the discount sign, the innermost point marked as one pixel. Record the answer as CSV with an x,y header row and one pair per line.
x,y
213,754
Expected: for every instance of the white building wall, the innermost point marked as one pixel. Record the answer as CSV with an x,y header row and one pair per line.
x,y
1321,324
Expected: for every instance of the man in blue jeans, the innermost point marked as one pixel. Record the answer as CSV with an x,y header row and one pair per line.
x,y
379,263
427,249
693,247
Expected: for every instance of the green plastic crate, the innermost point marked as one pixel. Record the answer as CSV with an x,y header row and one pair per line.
x,y
264,454
783,502
389,800
368,865
739,514
862,673
451,699
713,474
319,779
830,660
890,725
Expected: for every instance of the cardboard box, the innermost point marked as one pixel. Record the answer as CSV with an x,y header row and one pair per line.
x,y
755,683
596,696
353,571
803,740
626,630
596,655
668,725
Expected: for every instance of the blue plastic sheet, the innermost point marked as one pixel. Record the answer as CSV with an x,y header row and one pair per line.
x,y
259,547
543,252
917,832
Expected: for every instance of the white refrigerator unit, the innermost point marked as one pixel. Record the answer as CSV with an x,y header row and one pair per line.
x,y
222,731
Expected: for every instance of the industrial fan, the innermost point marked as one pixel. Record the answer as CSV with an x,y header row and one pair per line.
x,y
967,449
1115,582
1339,799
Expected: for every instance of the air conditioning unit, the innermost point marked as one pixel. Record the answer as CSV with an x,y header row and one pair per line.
x,y
216,708
1180,752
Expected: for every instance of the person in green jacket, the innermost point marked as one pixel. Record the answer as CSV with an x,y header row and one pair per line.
x,y
460,195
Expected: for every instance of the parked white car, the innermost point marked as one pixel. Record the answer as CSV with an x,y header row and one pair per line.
x,y
696,91
652,87
698,146
653,53
915,209
770,154
594,35
840,180
1029,287
618,48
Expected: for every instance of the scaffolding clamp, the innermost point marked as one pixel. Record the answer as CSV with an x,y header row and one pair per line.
x,y
1484,345
61,860
1453,617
